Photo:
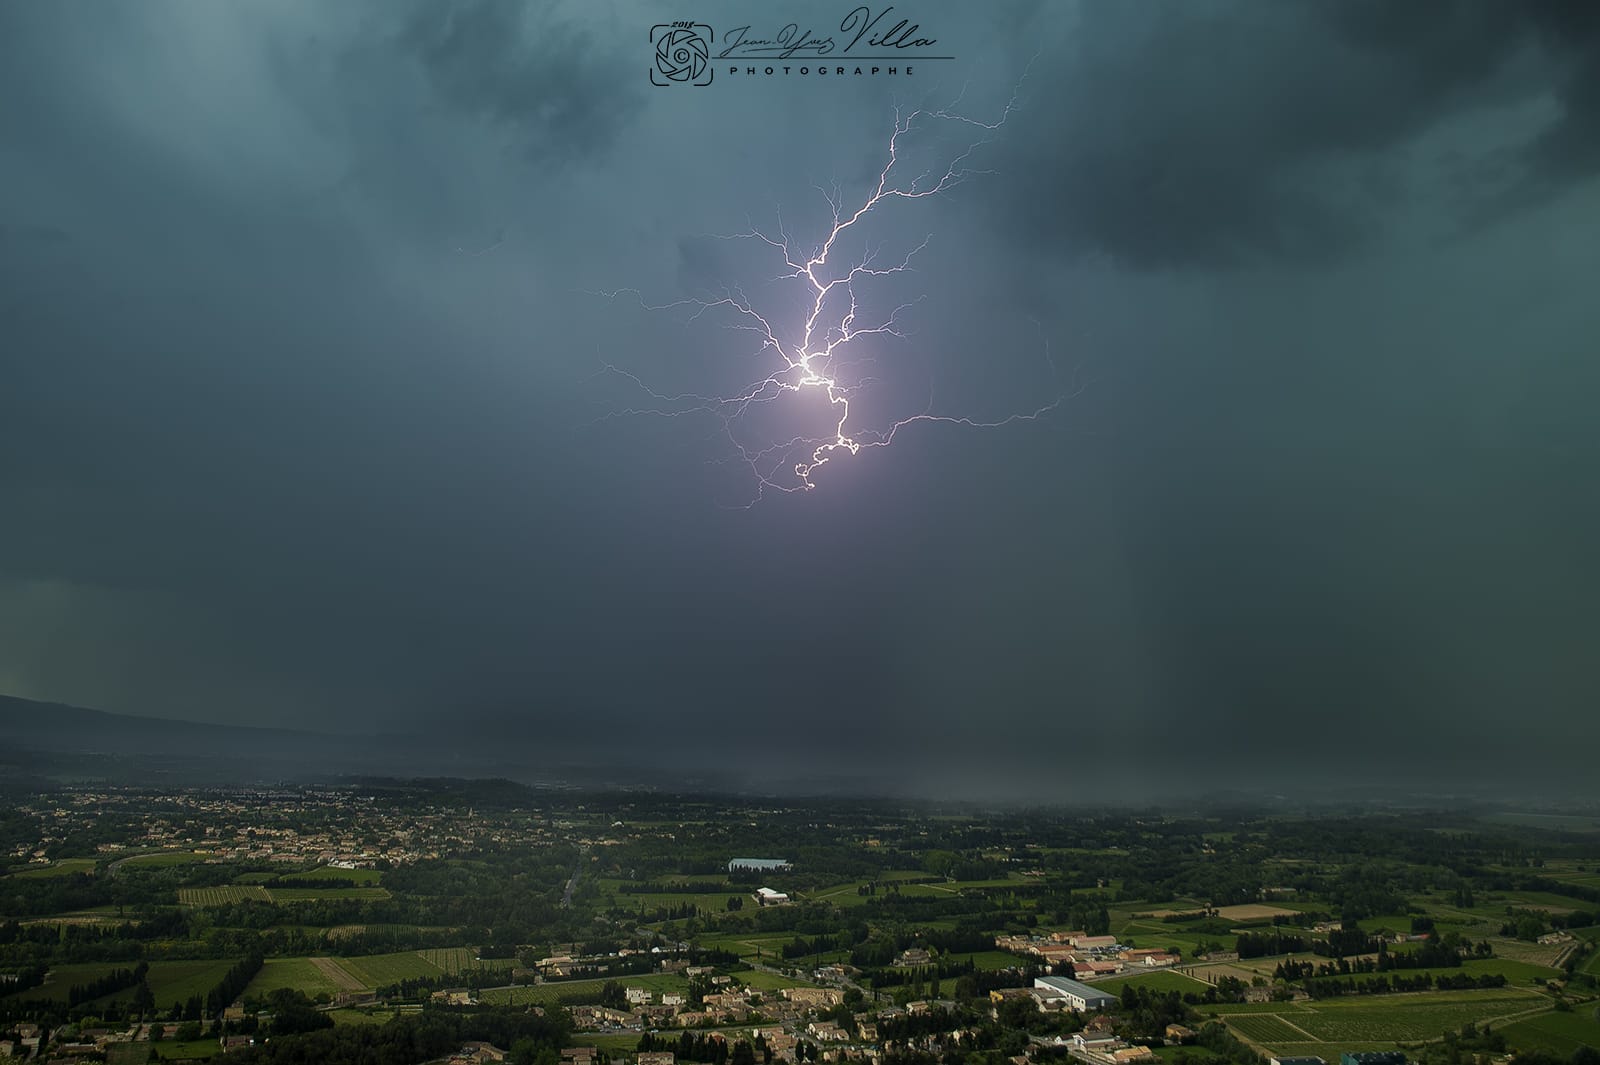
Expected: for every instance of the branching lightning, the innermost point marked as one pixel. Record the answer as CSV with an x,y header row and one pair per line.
x,y
827,351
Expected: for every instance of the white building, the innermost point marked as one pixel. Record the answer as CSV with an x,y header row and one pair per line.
x,y
1075,996
768,897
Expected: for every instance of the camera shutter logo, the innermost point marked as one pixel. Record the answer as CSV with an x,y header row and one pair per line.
x,y
683,53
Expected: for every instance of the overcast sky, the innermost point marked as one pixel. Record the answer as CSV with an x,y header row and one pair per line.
x,y
303,380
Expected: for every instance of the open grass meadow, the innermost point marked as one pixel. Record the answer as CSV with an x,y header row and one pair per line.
x,y
991,960
1156,980
175,982
765,981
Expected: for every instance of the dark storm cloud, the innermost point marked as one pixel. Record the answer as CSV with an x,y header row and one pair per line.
x,y
1236,133
304,419
550,84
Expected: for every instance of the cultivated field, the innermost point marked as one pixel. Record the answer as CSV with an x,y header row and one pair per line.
x,y
1307,1028
1561,1033
1254,912
461,959
171,982
222,896
381,970
301,974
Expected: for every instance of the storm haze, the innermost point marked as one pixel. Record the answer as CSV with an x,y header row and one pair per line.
x,y
304,416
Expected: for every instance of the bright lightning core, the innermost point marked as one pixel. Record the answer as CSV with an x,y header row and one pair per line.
x,y
825,342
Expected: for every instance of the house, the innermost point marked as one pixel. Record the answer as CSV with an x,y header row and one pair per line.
x,y
1094,942
580,1056
1103,1042
768,897
672,998
1133,1055
1159,961
827,1032
814,997
638,996
1075,996
914,956
658,1057
481,1052
1177,1033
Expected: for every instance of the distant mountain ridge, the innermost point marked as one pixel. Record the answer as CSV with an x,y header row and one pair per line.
x,y
63,728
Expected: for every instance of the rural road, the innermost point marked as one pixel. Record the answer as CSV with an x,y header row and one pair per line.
x,y
572,885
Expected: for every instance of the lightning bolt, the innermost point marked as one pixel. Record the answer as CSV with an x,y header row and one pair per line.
x,y
820,354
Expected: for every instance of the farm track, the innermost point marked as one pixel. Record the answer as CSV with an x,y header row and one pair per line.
x,y
338,974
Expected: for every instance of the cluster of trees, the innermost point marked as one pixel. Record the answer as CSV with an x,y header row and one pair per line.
x,y
1149,1011
109,984
1266,944
692,1046
671,887
232,984
1333,986
409,1038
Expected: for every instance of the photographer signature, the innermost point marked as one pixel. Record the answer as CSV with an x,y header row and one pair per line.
x,y
792,40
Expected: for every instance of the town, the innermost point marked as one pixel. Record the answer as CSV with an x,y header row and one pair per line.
x,y
455,921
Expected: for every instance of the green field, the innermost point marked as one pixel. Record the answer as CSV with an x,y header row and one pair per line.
x,y
175,982
301,974
1374,1020
381,970
1559,1032
368,1016
991,959
169,1050
1268,1028
1159,980
222,896
461,959
162,860
579,991
61,978
65,867
765,981
624,1043
362,877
